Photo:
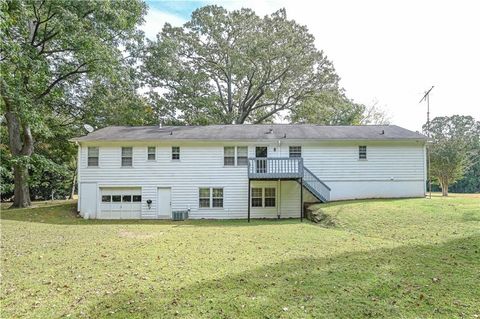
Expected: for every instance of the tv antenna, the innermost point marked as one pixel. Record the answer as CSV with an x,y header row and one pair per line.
x,y
88,127
426,97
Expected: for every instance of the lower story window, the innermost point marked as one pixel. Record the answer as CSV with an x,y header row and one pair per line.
x,y
204,197
209,197
257,197
263,197
121,198
270,197
217,197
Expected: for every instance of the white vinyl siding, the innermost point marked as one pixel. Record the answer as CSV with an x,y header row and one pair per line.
x,y
392,170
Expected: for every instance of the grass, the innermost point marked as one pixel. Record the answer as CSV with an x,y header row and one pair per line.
x,y
408,258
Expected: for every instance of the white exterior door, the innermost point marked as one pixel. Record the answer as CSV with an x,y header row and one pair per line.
x,y
164,203
88,198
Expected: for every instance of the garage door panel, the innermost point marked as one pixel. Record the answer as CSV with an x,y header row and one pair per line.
x,y
120,203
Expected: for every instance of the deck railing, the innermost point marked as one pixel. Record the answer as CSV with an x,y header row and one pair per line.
x,y
275,167
316,186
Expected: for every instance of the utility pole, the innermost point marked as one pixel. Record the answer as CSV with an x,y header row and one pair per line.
x,y
426,97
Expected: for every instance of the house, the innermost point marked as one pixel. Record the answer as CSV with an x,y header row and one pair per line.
x,y
243,171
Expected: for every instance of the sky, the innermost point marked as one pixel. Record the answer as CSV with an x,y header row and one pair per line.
x,y
386,52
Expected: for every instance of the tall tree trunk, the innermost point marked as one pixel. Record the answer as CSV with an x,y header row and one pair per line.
x,y
21,196
21,145
445,190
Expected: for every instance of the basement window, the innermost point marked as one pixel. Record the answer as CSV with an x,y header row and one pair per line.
x,y
362,152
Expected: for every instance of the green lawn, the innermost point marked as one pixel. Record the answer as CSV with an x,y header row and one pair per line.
x,y
410,258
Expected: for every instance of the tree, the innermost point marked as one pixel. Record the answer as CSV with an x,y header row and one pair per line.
x,y
234,67
53,52
334,108
451,149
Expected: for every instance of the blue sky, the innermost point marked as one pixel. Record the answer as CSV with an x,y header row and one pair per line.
x,y
179,8
386,52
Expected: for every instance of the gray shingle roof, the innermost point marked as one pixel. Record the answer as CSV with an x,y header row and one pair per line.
x,y
251,132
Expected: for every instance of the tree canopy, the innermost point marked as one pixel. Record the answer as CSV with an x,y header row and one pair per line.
x,y
455,149
235,67
55,53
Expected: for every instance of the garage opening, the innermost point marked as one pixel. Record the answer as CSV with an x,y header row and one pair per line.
x,y
120,202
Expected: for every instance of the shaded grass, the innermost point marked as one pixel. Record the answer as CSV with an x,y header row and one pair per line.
x,y
386,258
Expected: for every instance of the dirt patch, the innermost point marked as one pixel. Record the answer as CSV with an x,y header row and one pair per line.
x,y
318,216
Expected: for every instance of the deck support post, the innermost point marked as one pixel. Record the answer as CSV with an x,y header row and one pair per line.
x,y
249,200
301,199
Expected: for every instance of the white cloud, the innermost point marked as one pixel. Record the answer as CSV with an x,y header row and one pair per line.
x,y
155,20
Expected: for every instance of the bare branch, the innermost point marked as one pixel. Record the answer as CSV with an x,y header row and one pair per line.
x,y
63,77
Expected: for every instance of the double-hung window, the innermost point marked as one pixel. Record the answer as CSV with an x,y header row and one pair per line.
x,y
229,155
242,155
257,197
151,153
209,197
295,151
92,156
264,197
235,155
175,152
127,156
362,152
269,200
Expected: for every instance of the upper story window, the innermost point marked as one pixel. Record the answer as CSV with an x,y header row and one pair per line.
x,y
242,155
230,153
210,197
295,151
175,152
362,152
229,156
151,153
92,156
127,156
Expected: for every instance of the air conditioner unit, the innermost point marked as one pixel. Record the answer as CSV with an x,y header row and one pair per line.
x,y
180,215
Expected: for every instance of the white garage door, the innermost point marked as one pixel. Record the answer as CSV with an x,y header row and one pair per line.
x,y
120,203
